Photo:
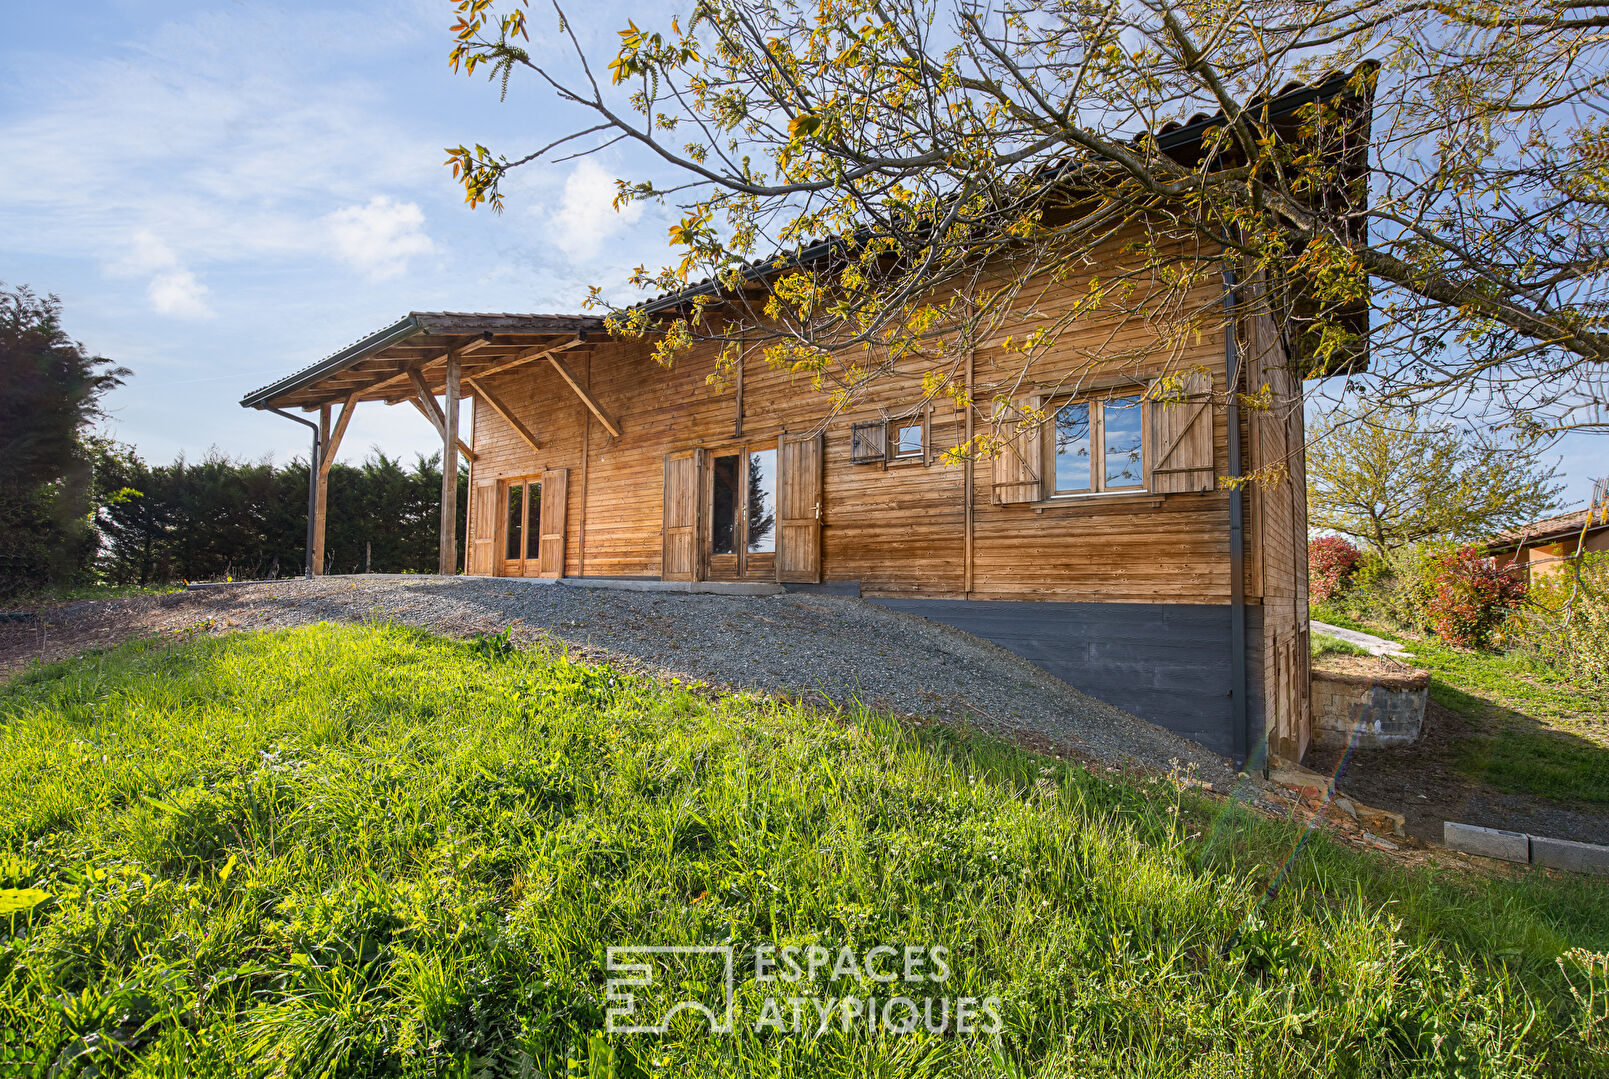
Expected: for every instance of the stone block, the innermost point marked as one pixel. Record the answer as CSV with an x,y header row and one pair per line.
x,y
1568,854
1349,710
1487,842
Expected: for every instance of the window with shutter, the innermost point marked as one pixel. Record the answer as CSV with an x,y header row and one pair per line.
x,y
1018,465
1180,437
868,442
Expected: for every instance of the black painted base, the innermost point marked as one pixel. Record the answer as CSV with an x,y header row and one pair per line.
x,y
1167,663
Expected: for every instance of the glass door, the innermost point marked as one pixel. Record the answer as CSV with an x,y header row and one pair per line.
x,y
522,526
743,512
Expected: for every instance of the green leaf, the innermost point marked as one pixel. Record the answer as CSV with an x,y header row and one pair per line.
x,y
17,900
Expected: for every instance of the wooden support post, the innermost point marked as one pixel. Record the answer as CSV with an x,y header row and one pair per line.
x,y
321,487
329,440
449,470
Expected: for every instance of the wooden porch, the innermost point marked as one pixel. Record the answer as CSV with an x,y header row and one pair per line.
x,y
422,357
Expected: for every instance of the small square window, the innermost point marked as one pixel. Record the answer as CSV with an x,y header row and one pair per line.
x,y
907,439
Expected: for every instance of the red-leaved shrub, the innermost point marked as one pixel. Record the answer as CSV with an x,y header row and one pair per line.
x,y
1470,597
1331,561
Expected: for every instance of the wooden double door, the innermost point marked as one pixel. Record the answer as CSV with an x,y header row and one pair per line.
x,y
530,533
746,511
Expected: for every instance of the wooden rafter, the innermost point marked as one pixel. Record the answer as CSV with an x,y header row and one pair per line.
x,y
597,409
501,407
425,402
531,355
409,370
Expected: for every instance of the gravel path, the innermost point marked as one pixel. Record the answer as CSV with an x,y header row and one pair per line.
x,y
831,647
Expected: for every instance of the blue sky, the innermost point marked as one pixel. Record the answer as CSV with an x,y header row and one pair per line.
x,y
221,193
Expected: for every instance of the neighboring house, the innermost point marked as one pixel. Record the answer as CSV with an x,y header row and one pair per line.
x,y
1100,544
1554,543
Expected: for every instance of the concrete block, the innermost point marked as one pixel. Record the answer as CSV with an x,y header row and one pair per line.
x,y
1568,854
1487,842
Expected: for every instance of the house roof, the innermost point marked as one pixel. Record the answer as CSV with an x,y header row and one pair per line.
x,y
1548,529
376,367
1181,140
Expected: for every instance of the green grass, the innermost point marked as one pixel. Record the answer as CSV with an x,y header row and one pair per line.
x,y
1531,731
1323,644
369,851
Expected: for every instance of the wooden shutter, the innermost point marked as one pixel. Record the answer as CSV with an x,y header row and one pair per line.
x,y
799,509
1021,459
483,528
550,537
683,550
868,441
1181,438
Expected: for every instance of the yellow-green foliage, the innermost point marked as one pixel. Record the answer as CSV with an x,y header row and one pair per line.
x,y
1565,622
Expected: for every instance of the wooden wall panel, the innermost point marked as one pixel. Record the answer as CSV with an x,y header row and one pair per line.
x,y
897,528
1278,511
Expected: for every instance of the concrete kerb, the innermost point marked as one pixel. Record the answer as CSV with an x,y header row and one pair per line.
x,y
1527,849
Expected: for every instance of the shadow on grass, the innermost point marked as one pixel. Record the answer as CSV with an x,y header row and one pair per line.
x,y
1517,754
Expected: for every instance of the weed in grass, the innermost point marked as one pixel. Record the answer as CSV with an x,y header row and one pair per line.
x,y
369,851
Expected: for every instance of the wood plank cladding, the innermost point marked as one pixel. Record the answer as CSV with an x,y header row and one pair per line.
x,y
899,528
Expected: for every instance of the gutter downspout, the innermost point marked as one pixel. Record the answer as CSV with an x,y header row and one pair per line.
x,y
312,484
1245,741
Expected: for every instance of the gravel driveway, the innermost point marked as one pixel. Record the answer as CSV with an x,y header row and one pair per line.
x,y
833,647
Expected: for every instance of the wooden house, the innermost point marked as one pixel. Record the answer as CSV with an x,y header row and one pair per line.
x,y
1101,544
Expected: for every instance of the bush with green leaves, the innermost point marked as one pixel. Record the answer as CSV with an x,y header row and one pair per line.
x,y
1392,591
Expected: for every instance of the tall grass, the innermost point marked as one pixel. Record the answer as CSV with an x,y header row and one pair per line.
x,y
368,851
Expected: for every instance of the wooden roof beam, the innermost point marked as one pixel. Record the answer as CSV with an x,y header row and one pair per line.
x,y
597,409
501,407
410,368
538,353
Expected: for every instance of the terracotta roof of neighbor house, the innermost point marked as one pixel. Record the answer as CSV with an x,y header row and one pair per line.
x,y
1547,529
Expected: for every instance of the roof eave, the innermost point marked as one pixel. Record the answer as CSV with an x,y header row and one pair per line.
x,y
396,333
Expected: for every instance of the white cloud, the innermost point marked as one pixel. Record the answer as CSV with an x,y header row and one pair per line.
x,y
178,293
379,238
586,216
172,289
